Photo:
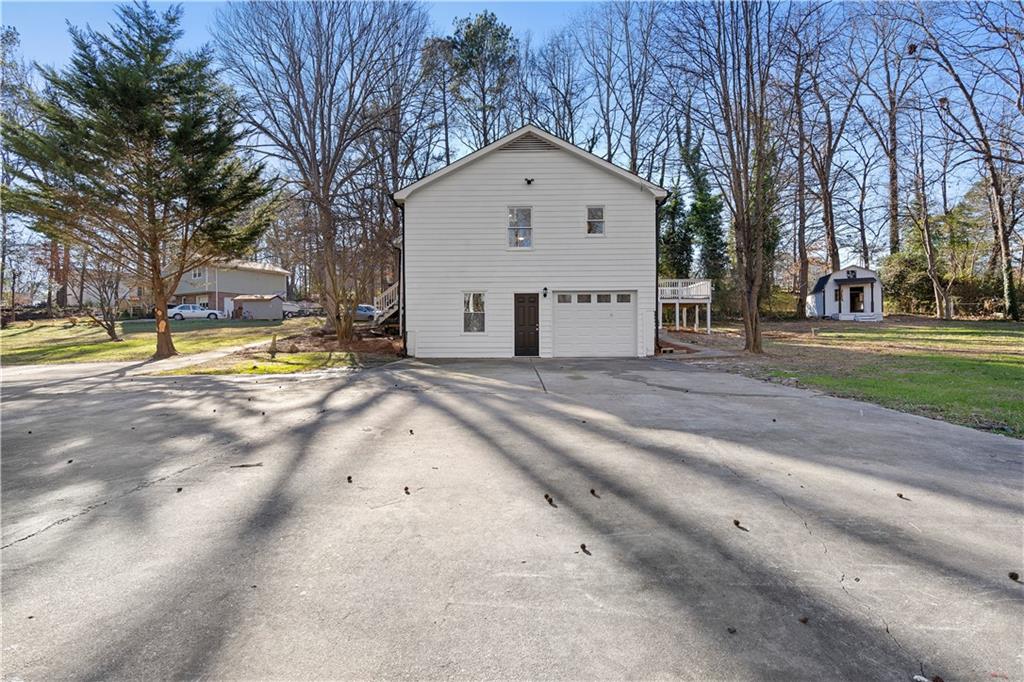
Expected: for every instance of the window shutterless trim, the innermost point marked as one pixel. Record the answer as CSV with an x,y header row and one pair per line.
x,y
588,220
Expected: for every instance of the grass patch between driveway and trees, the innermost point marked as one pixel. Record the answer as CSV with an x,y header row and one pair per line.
x,y
59,341
965,372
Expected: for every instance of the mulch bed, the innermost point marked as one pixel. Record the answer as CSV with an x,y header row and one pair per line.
x,y
307,343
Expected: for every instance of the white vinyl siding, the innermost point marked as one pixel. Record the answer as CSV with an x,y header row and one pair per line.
x,y
456,241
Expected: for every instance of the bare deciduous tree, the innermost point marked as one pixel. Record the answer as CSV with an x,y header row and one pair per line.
x,y
315,79
731,53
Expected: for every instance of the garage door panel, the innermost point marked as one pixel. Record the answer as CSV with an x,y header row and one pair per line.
x,y
595,329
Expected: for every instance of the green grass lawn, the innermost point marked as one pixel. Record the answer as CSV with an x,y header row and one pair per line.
x,y
966,372
58,341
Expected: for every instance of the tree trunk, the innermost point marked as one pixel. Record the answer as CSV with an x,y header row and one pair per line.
x,y
81,283
801,194
828,217
50,274
63,273
164,342
1010,305
894,182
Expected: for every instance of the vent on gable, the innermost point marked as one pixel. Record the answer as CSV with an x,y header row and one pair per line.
x,y
528,143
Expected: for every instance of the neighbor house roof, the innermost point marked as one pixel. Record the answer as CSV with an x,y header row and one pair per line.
x,y
530,137
257,297
251,266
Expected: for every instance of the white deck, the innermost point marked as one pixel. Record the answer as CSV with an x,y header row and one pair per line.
x,y
684,294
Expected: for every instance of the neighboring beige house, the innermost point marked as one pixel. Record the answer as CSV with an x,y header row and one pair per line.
x,y
216,284
258,307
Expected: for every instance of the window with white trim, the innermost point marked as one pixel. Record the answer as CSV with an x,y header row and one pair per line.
x,y
520,227
583,298
198,273
473,312
604,298
595,221
565,298
623,298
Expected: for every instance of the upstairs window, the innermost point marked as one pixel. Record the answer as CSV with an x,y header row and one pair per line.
x,y
595,221
473,312
198,273
520,228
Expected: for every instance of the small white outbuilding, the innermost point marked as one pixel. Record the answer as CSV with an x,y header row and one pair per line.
x,y
851,293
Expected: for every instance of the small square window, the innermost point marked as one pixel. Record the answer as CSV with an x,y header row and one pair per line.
x,y
595,220
583,298
565,298
604,298
623,298
473,312
520,227
198,273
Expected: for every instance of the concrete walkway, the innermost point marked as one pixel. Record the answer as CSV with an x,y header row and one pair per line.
x,y
392,523
690,351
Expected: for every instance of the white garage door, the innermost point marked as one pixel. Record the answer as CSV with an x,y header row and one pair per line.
x,y
595,323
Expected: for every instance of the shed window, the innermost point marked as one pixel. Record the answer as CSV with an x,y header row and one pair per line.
x,y
473,312
520,227
595,220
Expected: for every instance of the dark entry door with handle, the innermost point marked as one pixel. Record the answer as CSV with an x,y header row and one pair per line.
x,y
527,324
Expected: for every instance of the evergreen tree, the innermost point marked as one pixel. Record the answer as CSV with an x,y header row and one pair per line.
x,y
485,56
704,217
139,148
676,237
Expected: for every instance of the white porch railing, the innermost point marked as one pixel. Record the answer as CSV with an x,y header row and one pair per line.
x,y
387,302
684,290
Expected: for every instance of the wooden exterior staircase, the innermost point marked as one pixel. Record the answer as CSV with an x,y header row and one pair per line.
x,y
388,304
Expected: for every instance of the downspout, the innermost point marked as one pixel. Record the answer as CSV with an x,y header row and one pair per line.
x,y
401,278
657,259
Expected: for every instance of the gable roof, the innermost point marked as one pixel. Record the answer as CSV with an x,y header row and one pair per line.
x,y
819,286
251,266
530,138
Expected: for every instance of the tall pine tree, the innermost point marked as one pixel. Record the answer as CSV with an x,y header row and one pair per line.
x,y
704,217
137,157
676,237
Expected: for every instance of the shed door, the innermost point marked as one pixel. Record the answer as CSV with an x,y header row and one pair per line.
x,y
595,324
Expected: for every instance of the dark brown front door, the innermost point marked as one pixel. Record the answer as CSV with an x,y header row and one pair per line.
x,y
527,325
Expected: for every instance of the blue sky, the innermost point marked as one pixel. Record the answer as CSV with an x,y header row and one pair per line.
x,y
44,35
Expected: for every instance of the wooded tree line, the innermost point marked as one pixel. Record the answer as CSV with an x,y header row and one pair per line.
x,y
793,137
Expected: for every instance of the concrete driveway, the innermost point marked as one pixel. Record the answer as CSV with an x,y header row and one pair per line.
x,y
205,527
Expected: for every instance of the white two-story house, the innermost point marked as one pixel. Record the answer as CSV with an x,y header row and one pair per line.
x,y
530,246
